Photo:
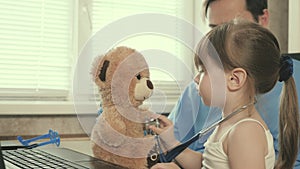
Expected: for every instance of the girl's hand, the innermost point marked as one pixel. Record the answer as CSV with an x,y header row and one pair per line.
x,y
165,132
164,125
165,166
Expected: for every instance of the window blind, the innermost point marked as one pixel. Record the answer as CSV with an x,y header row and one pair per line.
x,y
35,48
105,12
168,85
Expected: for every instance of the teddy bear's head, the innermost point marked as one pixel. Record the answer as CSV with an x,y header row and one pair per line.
x,y
122,75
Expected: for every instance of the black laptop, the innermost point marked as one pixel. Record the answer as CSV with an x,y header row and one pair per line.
x,y
50,158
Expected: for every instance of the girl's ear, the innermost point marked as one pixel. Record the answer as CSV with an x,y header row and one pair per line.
x,y
236,79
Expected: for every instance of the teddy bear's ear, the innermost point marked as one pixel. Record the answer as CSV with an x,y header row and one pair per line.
x,y
102,74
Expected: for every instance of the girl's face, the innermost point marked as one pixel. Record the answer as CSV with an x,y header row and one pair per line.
x,y
203,84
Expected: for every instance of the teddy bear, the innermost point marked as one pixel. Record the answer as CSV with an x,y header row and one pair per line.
x,y
122,76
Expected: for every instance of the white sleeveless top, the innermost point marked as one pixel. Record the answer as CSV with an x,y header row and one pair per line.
x,y
214,156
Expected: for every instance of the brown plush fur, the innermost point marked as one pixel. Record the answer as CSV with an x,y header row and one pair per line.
x,y
122,76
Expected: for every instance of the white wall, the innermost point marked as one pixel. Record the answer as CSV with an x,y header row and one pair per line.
x,y
294,26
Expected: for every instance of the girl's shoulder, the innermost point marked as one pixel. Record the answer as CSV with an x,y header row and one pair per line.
x,y
250,122
248,128
247,143
248,134
244,128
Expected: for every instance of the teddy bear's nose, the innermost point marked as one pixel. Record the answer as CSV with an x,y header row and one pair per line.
x,y
149,84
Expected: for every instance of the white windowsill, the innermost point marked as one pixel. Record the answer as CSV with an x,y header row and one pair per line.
x,y
36,108
54,108
163,102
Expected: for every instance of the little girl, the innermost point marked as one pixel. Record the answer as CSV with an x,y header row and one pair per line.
x,y
250,61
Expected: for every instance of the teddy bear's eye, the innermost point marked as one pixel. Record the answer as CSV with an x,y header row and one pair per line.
x,y
138,76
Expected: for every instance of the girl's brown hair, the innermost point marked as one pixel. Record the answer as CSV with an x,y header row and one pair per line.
x,y
247,45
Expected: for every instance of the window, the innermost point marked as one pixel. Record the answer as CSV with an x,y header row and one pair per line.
x,y
106,12
40,40
36,49
169,58
294,25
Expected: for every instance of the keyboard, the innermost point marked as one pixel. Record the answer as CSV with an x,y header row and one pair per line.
x,y
36,158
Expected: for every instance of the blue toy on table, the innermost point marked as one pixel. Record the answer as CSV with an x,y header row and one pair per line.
x,y
52,135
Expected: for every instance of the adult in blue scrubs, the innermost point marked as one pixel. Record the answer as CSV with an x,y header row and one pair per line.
x,y
190,115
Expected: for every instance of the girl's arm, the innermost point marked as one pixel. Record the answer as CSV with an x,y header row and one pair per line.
x,y
188,159
246,146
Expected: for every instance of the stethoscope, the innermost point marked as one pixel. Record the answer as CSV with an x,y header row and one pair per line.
x,y
173,153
